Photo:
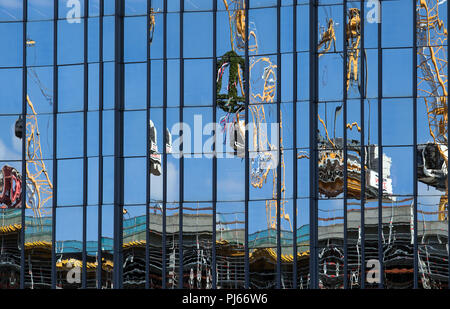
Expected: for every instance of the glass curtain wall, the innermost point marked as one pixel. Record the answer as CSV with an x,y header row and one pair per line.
x,y
203,144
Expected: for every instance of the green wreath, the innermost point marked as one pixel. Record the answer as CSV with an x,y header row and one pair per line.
x,y
230,102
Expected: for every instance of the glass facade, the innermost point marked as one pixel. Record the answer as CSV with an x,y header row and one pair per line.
x,y
223,144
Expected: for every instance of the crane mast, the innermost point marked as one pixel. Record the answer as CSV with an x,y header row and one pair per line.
x,y
263,78
432,89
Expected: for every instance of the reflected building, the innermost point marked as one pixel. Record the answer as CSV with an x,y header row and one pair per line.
x,y
197,273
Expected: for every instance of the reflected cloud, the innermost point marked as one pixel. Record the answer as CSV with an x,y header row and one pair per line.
x,y
7,153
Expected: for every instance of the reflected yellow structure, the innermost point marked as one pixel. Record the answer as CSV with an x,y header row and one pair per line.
x,y
432,87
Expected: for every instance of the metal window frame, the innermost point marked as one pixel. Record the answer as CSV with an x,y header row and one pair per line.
x,y
448,167
164,223
414,165
214,163
118,142
100,148
55,139
344,127
363,152
148,162
313,170
294,143
181,116
279,150
246,157
85,144
380,151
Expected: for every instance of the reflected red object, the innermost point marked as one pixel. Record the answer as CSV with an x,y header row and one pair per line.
x,y
10,188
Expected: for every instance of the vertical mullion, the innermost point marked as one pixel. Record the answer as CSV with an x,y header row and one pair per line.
x,y
55,135
24,148
214,112
148,175
448,168
279,151
313,93
118,144
85,160
363,150
163,268
100,149
380,154
414,166
294,142
181,197
247,161
344,88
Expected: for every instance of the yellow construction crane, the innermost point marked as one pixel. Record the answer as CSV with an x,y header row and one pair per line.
x,y
262,91
331,157
152,23
236,16
327,38
432,89
39,187
353,31
264,147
